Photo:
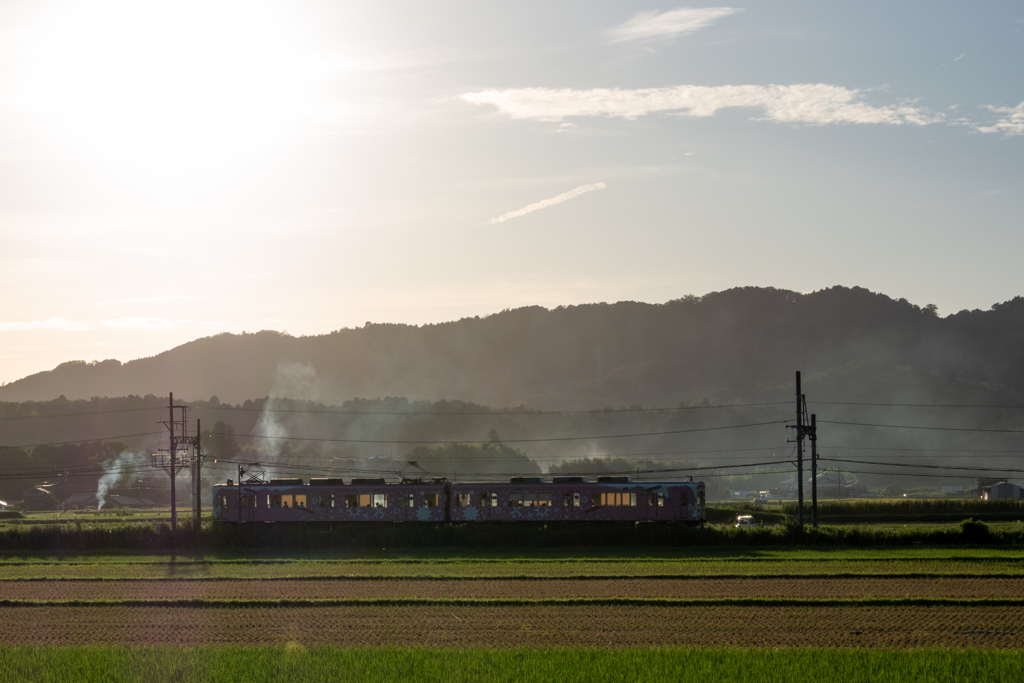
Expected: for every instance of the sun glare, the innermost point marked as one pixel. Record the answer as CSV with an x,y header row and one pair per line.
x,y
167,82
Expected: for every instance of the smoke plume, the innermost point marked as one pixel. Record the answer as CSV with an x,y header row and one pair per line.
x,y
113,470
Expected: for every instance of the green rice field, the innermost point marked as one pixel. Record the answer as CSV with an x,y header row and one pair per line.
x,y
296,664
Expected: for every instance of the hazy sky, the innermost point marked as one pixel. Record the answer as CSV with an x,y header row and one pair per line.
x,y
174,170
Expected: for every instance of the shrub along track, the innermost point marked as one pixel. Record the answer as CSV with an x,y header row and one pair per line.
x,y
674,587
488,625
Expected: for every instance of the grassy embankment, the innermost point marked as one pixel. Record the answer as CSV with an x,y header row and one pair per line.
x,y
297,664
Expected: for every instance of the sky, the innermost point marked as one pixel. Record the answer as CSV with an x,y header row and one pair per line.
x,y
174,170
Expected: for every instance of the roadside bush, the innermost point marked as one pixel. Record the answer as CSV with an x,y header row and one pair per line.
x,y
975,531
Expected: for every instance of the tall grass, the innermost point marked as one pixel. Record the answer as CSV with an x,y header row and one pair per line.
x,y
297,664
959,506
283,536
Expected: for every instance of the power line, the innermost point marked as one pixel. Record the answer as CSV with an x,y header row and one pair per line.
x,y
504,412
923,405
82,441
939,429
92,412
548,439
919,466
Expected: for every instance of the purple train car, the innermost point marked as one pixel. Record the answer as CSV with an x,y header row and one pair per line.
x,y
574,499
523,499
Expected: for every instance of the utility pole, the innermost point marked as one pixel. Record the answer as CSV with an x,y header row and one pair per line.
x,y
170,463
799,450
814,470
174,463
197,480
802,430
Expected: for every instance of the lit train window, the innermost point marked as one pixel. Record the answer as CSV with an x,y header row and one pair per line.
x,y
287,501
661,500
300,501
565,499
380,500
462,500
575,500
223,501
615,499
364,500
411,500
494,500
529,499
431,500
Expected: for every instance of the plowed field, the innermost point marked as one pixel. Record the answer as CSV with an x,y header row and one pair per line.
x,y
485,626
552,588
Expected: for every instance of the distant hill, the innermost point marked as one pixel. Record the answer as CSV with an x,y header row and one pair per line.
x,y
722,346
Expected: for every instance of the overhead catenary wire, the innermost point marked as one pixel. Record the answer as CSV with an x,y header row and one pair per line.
x,y
923,466
338,411
924,427
529,440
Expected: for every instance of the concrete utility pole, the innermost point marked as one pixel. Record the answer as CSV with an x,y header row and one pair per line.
x,y
170,463
799,451
804,427
174,463
814,470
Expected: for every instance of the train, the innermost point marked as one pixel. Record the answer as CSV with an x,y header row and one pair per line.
x,y
521,499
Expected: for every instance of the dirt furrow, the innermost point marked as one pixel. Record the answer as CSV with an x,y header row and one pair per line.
x,y
895,627
655,588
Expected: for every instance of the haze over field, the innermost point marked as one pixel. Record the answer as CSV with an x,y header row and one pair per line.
x,y
172,171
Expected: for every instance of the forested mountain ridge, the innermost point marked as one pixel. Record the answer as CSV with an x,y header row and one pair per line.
x,y
720,346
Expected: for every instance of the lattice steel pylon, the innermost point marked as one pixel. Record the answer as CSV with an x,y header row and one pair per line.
x,y
177,457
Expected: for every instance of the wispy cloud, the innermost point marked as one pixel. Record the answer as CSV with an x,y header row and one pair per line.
x,y
670,24
1012,123
810,103
544,203
151,299
48,324
65,325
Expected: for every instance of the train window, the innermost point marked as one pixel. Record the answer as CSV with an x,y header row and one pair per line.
x,y
351,500
364,500
615,499
431,500
652,499
544,499
223,501
273,501
575,500
412,500
494,500
515,500
380,500
300,501
462,500
565,499
246,501
661,500
483,500
287,501
330,500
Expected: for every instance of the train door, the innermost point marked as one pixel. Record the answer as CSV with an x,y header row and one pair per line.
x,y
408,504
488,505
